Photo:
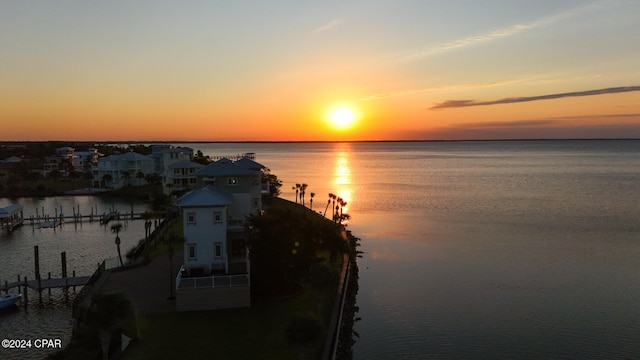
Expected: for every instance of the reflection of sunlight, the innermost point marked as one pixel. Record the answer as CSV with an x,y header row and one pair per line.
x,y
342,170
342,178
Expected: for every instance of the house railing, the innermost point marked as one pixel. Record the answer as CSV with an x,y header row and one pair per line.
x,y
204,282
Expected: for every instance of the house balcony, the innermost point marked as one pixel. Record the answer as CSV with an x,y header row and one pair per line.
x,y
235,224
210,281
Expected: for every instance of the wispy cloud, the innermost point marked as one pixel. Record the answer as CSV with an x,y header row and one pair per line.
x,y
502,32
529,79
506,124
466,103
442,89
328,26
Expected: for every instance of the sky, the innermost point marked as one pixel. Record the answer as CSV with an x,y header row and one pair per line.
x,y
276,70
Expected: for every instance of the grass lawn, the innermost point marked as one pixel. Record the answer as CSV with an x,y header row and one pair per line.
x,y
258,332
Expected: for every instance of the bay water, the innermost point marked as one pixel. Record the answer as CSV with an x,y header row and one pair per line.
x,y
472,250
86,244
483,250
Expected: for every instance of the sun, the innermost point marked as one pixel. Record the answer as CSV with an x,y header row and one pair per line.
x,y
342,117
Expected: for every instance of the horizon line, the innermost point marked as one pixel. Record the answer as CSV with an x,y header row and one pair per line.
x,y
151,142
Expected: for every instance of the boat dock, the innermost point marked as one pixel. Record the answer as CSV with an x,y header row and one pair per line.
x,y
11,217
49,283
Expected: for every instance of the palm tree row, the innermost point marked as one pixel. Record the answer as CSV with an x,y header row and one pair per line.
x,y
337,203
301,190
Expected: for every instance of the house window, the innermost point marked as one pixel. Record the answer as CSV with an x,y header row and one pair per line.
x,y
192,251
232,181
255,180
218,250
191,218
254,202
217,217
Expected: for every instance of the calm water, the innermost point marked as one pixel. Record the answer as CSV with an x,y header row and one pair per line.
x,y
86,245
472,249
483,250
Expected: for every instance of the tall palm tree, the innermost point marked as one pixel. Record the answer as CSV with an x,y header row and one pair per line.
x,y
303,191
297,191
333,206
126,175
343,203
115,228
311,200
328,203
140,177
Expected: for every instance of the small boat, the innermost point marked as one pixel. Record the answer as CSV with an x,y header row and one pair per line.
x,y
8,299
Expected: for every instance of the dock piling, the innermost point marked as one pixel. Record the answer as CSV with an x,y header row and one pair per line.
x,y
26,293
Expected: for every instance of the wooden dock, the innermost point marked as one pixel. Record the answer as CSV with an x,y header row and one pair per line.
x,y
51,283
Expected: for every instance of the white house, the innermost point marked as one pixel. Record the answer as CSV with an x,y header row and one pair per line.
x,y
178,171
216,273
216,270
122,169
238,179
64,162
86,159
180,176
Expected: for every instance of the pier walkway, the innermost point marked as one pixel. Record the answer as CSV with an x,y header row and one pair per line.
x,y
48,283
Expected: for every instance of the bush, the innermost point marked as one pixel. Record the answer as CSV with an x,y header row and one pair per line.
x,y
304,328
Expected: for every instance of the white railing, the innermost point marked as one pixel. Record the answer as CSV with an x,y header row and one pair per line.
x,y
204,282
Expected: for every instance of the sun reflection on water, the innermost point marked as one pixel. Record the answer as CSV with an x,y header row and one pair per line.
x,y
343,179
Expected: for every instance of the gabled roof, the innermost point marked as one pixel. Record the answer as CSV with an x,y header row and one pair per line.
x,y
130,156
185,164
250,164
8,211
224,167
205,197
13,159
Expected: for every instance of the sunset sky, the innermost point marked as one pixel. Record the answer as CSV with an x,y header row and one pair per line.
x,y
277,70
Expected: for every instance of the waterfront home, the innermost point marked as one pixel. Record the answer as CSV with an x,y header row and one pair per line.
x,y
177,169
86,159
241,178
117,171
180,176
216,270
216,273
64,161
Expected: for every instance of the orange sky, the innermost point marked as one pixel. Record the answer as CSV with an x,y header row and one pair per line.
x,y
223,72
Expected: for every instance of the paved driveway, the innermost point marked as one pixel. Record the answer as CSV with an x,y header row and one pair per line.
x,y
149,287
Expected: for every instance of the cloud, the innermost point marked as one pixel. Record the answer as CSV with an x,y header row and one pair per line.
x,y
503,32
441,89
328,26
507,124
500,33
466,103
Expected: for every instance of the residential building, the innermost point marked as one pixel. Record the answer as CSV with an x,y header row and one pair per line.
x,y
122,170
216,270
180,176
64,161
86,159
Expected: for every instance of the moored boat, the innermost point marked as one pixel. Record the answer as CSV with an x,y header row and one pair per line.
x,y
8,299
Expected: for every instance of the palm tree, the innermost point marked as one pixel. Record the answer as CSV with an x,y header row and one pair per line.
x,y
126,176
106,179
115,228
139,176
303,191
328,203
343,203
333,205
297,190
311,200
